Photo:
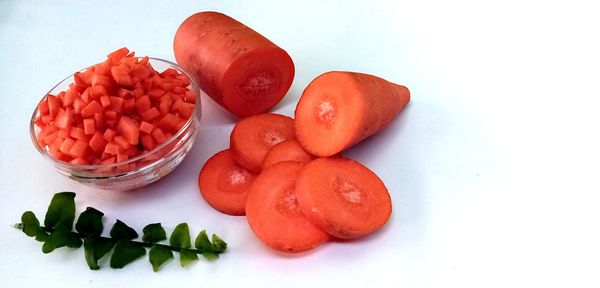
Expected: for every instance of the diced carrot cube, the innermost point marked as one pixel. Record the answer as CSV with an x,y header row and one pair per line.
x,y
169,72
64,133
118,54
43,108
109,134
79,149
64,119
185,80
105,101
48,139
53,105
138,92
143,103
122,142
129,105
97,142
140,71
158,135
69,97
103,68
79,161
79,104
111,115
168,122
155,93
148,142
121,75
89,126
108,160
165,104
128,128
90,109
124,93
111,148
66,145
116,103
99,119
185,110
146,127
150,114
180,124
122,157
101,79
78,134
167,86
189,97
178,90
97,91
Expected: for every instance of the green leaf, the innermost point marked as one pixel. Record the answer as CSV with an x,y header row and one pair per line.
x,y
58,238
218,245
61,211
95,247
42,236
202,242
74,241
126,252
31,225
210,255
153,233
159,255
90,222
187,256
181,236
121,231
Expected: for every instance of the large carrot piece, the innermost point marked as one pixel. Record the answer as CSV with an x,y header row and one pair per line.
x,y
343,197
339,109
288,150
252,137
224,184
236,66
273,212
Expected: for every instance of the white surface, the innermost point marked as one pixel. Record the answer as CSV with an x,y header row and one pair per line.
x,y
493,167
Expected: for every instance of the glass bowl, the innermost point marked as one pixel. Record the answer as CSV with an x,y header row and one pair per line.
x,y
138,171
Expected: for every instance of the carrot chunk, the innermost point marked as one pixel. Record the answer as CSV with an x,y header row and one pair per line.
x,y
224,184
340,109
274,214
252,137
343,197
129,130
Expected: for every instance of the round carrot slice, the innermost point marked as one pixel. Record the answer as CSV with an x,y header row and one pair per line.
x,y
224,184
288,150
273,212
252,137
343,197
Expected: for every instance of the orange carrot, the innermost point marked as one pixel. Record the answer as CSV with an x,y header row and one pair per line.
x,y
273,212
288,150
343,197
252,137
340,109
224,184
236,66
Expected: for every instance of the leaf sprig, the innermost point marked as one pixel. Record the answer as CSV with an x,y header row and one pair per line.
x,y
57,232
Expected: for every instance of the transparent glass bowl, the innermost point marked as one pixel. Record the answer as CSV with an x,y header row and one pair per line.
x,y
138,171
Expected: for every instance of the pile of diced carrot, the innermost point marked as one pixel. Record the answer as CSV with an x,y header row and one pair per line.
x,y
114,110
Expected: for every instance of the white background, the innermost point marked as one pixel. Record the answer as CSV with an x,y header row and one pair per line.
x,y
493,167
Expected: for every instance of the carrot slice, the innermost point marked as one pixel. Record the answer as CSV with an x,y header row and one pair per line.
x,y
288,150
241,70
340,109
252,137
343,197
273,212
224,184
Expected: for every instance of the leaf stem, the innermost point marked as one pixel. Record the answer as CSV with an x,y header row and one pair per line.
x,y
144,244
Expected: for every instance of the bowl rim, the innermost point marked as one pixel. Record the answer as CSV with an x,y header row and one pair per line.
x,y
196,114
